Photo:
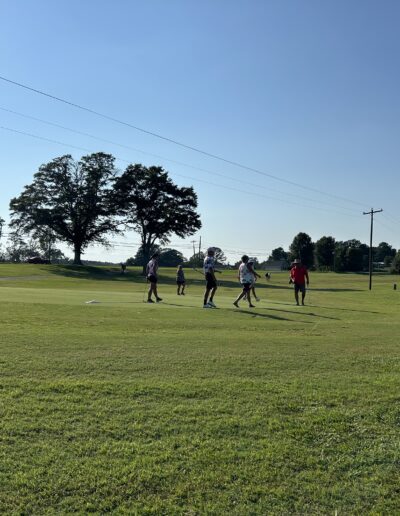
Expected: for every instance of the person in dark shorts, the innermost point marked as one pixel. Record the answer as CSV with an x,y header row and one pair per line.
x,y
152,278
299,277
180,281
246,276
211,282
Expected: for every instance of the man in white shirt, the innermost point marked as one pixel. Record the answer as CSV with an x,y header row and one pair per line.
x,y
246,275
211,282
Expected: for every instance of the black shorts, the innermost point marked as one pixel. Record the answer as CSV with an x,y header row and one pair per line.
x,y
246,286
178,282
300,287
210,281
152,279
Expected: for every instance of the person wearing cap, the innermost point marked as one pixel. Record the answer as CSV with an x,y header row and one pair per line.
x,y
246,276
152,277
211,282
299,277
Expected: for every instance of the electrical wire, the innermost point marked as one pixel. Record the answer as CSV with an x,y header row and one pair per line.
x,y
396,232
57,142
391,218
176,142
181,163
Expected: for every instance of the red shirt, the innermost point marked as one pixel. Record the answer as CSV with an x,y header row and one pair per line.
x,y
298,274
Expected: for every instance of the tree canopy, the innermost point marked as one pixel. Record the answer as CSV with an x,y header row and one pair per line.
x,y
71,199
384,251
302,247
152,205
278,254
325,252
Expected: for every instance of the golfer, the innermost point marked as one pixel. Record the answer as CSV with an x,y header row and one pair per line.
x,y
211,282
152,278
180,281
246,276
299,277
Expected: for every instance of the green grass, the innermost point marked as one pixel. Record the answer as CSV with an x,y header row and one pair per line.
x,y
132,408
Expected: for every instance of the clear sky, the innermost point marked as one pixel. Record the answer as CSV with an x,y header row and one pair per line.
x,y
305,90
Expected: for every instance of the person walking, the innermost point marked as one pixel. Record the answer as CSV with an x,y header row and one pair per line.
x,y
211,282
253,285
152,277
180,281
299,277
246,276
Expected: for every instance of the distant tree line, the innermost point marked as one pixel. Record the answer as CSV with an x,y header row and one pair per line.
x,y
328,254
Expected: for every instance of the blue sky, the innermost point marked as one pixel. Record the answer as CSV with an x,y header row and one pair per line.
x,y
307,91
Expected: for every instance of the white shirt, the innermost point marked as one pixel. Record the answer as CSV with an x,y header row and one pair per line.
x,y
244,274
152,267
209,264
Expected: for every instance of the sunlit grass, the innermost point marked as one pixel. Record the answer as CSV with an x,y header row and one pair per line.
x,y
171,409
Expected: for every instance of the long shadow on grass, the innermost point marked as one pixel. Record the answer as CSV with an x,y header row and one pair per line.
x,y
310,314
289,312
331,308
258,314
90,272
284,287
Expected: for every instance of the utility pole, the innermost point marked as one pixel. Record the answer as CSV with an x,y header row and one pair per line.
x,y
194,250
200,251
372,213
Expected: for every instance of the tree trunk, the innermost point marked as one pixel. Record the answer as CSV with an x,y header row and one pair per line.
x,y
77,254
146,258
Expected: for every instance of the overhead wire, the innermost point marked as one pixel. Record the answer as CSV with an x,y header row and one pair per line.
x,y
394,231
176,142
181,163
388,216
58,142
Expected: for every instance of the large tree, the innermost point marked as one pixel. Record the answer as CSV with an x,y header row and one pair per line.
x,y
351,256
171,258
139,258
325,252
302,247
154,206
71,199
278,254
384,251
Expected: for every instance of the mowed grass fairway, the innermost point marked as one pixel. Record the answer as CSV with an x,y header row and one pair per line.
x,y
172,409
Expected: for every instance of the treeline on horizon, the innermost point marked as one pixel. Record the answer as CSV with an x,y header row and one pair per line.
x,y
326,254
81,203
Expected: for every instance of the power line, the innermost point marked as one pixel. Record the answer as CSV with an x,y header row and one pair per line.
x,y
176,142
394,231
391,218
57,142
181,163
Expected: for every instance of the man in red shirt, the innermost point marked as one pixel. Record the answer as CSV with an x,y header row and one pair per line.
x,y
299,276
